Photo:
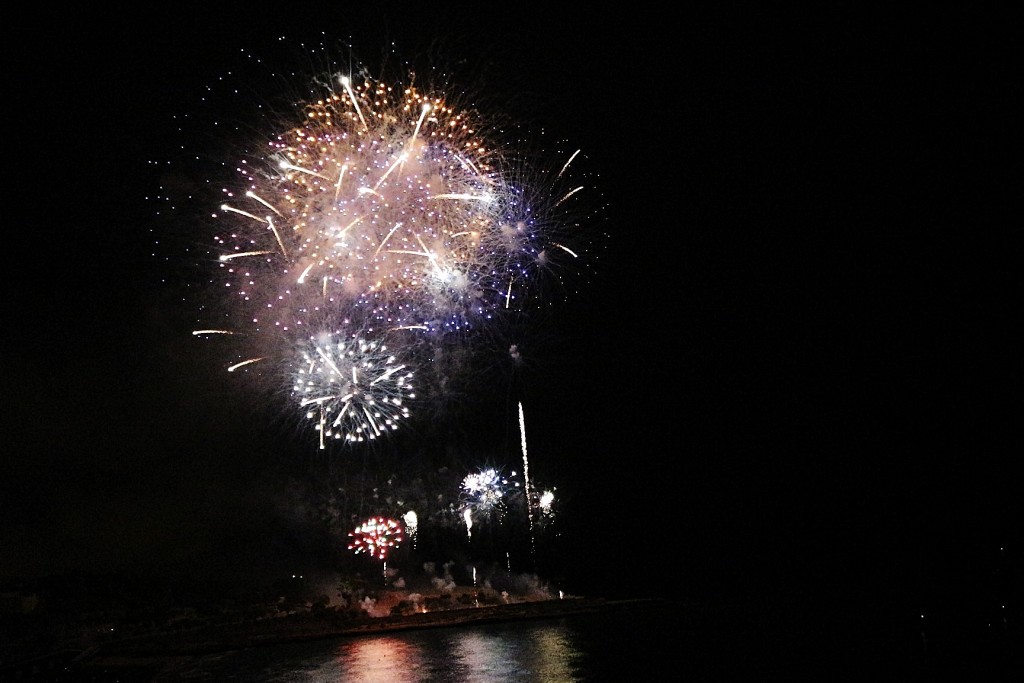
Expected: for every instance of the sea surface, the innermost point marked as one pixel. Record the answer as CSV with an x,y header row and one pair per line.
x,y
564,649
635,642
641,638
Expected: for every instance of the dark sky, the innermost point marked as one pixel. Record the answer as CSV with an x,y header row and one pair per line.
x,y
793,365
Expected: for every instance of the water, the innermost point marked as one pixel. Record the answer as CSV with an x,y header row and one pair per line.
x,y
564,650
635,642
538,651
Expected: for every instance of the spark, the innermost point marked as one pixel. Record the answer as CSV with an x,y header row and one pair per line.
x,y
225,207
568,194
228,257
352,97
234,367
292,167
562,171
467,197
264,202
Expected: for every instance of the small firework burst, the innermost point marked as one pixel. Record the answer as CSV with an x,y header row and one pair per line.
x,y
484,491
376,537
546,506
352,388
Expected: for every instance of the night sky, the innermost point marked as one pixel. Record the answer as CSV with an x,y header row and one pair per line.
x,y
790,370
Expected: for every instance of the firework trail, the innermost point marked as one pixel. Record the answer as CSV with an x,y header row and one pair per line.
x,y
526,477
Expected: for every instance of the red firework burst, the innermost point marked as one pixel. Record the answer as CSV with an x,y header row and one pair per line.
x,y
375,537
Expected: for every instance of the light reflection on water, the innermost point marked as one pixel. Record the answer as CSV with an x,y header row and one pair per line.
x,y
375,660
540,653
544,652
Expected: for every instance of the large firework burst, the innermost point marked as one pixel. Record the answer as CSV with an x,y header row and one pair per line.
x,y
380,211
382,205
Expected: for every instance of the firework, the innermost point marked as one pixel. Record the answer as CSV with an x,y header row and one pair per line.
x,y
375,537
484,491
380,210
546,508
547,500
353,389
412,525
381,204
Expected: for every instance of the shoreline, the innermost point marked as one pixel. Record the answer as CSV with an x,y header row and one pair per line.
x,y
303,627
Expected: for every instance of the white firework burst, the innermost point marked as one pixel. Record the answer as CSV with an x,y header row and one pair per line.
x,y
485,491
352,388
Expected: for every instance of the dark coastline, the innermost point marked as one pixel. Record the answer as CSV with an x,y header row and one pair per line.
x,y
147,652
738,636
329,624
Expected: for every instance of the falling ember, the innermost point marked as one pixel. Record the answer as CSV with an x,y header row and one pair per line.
x,y
411,525
244,363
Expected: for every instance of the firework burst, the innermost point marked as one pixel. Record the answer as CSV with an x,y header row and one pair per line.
x,y
546,506
384,205
393,210
485,492
353,389
375,537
